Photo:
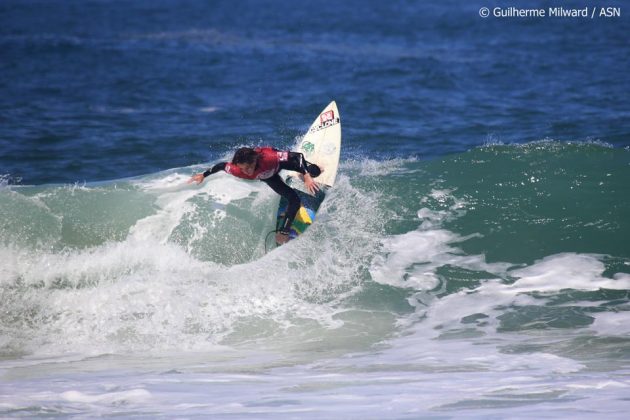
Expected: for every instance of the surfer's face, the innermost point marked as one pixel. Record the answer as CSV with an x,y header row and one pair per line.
x,y
247,168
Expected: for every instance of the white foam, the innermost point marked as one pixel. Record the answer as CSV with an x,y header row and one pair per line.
x,y
597,385
411,259
174,198
611,323
492,297
145,296
441,195
108,398
567,271
146,293
371,167
165,183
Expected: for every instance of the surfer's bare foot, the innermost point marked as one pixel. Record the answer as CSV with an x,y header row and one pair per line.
x,y
282,238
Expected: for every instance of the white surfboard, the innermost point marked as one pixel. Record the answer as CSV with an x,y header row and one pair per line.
x,y
322,144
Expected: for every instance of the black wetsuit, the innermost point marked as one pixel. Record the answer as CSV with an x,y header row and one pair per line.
x,y
294,162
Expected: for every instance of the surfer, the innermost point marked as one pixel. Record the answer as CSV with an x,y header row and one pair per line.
x,y
265,163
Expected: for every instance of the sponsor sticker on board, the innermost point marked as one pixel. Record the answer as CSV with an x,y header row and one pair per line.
x,y
329,148
327,116
308,147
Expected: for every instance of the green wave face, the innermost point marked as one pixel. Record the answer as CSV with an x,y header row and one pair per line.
x,y
497,242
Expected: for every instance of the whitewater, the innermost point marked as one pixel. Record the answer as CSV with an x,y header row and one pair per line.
x,y
490,283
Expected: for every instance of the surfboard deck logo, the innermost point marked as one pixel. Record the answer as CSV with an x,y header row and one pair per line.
x,y
326,119
327,116
308,147
329,148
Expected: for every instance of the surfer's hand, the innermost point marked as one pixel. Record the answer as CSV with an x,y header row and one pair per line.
x,y
311,185
198,178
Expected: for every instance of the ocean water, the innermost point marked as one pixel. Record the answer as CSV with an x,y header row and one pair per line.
x,y
472,259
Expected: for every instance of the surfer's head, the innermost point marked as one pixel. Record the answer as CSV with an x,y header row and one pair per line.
x,y
246,158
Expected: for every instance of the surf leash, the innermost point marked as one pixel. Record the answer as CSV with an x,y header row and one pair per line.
x,y
267,237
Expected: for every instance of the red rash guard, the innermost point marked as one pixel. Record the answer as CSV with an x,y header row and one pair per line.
x,y
267,166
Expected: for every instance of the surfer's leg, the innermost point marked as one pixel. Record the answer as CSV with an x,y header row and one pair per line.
x,y
277,184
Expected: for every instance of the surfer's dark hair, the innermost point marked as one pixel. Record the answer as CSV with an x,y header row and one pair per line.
x,y
245,155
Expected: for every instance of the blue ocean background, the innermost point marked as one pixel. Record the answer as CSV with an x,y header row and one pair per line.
x,y
472,259
101,90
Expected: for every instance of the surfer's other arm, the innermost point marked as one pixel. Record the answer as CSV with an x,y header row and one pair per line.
x,y
198,178
295,162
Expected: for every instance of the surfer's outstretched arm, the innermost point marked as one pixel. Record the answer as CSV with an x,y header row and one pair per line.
x,y
198,178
